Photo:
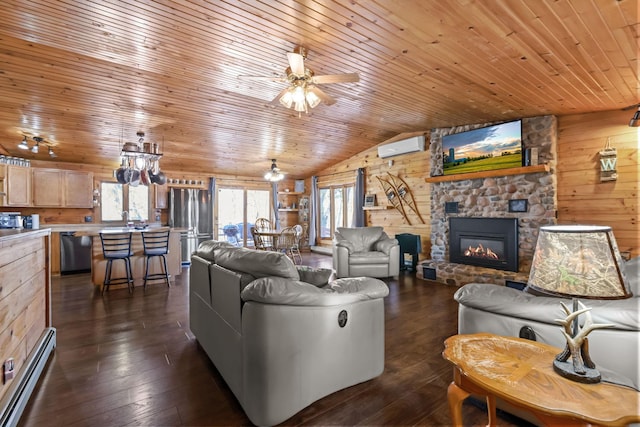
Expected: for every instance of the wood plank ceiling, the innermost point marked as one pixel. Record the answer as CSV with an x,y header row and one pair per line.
x,y
87,75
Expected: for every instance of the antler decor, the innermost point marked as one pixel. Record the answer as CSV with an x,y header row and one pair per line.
x,y
582,369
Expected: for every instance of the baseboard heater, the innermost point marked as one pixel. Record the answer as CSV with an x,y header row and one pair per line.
x,y
17,396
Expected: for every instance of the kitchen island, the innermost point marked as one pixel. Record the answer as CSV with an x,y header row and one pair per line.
x,y
27,337
98,265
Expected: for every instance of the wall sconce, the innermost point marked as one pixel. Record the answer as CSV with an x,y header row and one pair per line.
x,y
635,120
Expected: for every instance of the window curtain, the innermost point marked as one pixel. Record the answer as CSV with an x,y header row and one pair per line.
x,y
213,199
274,191
313,211
358,212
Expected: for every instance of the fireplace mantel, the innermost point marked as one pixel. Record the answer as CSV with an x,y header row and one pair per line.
x,y
489,174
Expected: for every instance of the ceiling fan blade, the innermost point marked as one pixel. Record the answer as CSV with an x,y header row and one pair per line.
x,y
296,62
323,96
263,78
336,78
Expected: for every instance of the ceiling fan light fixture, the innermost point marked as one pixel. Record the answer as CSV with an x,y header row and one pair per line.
x,y
23,144
287,99
274,174
312,98
52,154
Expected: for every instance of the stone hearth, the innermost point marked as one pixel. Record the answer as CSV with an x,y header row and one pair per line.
x,y
489,198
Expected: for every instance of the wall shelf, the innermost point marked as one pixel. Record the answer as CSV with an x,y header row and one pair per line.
x,y
375,208
489,174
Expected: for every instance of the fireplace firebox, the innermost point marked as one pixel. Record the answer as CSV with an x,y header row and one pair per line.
x,y
484,242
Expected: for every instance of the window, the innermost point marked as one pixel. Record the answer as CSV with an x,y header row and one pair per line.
x,y
119,198
336,206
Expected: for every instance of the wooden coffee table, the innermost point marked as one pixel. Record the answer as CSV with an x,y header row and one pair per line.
x,y
520,372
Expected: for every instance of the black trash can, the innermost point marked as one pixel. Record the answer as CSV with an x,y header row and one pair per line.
x,y
410,247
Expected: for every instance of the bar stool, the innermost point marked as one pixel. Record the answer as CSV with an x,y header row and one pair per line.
x,y
156,244
117,246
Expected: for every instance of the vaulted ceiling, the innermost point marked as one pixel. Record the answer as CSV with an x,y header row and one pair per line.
x,y
87,75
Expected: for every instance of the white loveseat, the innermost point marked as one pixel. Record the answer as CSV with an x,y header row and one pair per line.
x,y
365,251
280,335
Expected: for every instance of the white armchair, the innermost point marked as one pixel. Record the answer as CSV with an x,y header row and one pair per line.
x,y
365,251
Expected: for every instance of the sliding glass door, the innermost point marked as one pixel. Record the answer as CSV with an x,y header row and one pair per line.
x,y
238,208
335,207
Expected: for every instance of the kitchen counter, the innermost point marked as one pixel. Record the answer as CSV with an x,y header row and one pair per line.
x,y
10,233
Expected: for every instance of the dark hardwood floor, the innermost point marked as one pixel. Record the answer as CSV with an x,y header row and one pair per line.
x,y
125,360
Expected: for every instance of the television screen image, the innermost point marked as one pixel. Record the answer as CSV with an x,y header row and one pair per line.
x,y
489,148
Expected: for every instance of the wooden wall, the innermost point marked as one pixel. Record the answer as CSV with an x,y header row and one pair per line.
x,y
412,168
582,197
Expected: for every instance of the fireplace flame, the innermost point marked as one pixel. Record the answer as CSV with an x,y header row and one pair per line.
x,y
480,252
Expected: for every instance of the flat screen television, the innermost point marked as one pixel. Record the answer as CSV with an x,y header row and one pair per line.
x,y
488,148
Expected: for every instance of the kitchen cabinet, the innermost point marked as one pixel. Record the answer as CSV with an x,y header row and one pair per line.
x,y
47,187
15,185
162,196
62,188
78,189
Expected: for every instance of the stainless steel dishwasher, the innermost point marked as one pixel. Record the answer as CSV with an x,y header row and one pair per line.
x,y
75,253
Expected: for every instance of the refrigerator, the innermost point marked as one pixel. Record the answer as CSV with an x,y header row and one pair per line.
x,y
191,213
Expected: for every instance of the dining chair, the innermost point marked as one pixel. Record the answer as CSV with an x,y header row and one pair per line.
x,y
156,244
286,243
263,224
117,246
258,241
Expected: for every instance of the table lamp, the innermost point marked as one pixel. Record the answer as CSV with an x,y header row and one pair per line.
x,y
578,261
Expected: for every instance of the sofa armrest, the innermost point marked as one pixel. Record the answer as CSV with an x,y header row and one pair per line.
x,y
385,245
346,244
282,291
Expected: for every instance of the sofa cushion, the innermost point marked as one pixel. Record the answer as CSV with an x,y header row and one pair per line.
x,y
373,257
315,276
623,313
362,239
207,249
278,290
257,263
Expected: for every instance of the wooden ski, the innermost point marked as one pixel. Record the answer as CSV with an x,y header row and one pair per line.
x,y
393,197
406,197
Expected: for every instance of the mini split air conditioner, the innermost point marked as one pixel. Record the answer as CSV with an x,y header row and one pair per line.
x,y
409,145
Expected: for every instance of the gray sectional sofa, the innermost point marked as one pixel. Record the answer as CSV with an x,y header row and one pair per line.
x,y
505,311
283,336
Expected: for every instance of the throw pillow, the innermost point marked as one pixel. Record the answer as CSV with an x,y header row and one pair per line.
x,y
316,276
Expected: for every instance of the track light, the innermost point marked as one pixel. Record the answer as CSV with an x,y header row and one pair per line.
x,y
635,120
23,144
36,147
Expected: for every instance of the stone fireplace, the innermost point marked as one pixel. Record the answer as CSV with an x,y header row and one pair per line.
x,y
488,197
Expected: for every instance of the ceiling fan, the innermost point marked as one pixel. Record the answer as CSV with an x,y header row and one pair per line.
x,y
302,91
274,174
